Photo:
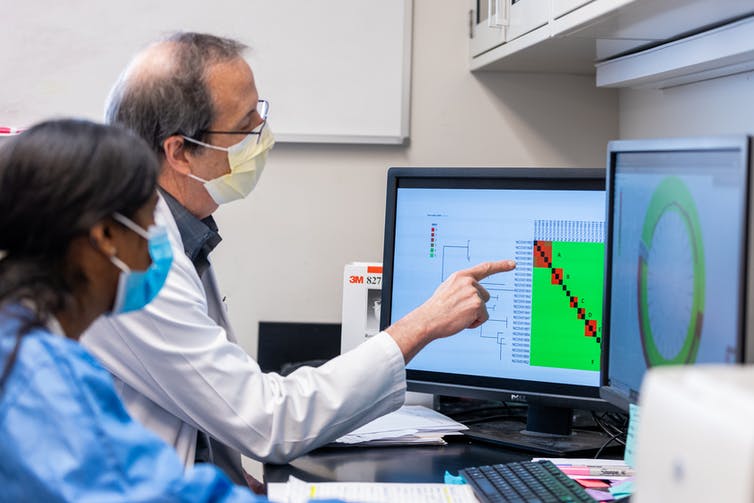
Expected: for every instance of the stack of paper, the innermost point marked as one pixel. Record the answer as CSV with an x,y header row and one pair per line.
x,y
297,491
411,424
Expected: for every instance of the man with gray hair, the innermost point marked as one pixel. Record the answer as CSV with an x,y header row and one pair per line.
x,y
193,98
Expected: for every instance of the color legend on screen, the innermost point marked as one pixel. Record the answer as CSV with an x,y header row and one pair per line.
x,y
433,241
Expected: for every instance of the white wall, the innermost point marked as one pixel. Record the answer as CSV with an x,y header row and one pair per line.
x,y
718,106
318,207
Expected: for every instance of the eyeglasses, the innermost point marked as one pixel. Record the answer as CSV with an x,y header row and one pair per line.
x,y
263,109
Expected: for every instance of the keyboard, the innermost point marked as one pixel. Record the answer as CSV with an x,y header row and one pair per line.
x,y
529,481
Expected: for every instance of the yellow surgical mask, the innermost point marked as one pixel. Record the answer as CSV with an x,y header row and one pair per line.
x,y
246,159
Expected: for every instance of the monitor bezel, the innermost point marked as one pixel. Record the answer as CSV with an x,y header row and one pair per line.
x,y
615,395
556,394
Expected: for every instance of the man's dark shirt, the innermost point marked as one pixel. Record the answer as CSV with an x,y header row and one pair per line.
x,y
199,237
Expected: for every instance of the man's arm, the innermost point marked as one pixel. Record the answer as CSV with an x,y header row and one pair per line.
x,y
175,355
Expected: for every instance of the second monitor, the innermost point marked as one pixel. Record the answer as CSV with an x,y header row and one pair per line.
x,y
541,344
678,217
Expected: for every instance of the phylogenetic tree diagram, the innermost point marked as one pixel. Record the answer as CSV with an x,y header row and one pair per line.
x,y
457,255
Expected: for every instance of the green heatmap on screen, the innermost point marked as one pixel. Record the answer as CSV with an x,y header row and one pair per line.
x,y
566,317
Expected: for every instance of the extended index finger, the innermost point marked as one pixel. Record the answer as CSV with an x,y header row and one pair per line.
x,y
481,271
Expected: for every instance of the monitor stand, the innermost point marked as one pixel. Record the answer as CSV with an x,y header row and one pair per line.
x,y
548,430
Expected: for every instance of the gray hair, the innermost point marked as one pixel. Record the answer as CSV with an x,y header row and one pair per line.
x,y
164,92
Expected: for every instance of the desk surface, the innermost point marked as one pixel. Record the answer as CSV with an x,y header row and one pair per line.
x,y
392,464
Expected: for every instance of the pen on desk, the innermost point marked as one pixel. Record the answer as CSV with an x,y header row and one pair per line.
x,y
597,471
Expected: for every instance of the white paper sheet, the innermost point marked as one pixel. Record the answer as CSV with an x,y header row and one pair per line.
x,y
410,423
298,491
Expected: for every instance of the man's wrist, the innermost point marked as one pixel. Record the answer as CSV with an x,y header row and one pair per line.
x,y
410,333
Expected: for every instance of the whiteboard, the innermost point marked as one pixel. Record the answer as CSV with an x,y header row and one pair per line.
x,y
335,71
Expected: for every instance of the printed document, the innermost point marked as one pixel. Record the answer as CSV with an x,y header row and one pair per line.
x,y
298,491
411,424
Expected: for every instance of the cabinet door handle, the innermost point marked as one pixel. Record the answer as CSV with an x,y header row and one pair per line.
x,y
500,18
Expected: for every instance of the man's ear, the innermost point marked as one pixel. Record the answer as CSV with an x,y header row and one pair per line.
x,y
175,154
101,237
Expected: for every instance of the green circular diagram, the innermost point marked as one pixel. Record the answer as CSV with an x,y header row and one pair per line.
x,y
673,210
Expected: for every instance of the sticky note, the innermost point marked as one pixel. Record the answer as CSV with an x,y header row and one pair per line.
x,y
633,428
600,495
593,483
453,479
625,488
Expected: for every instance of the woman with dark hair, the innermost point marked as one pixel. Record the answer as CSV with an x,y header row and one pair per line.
x,y
78,240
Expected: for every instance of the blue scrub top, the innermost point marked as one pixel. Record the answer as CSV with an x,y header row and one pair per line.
x,y
65,435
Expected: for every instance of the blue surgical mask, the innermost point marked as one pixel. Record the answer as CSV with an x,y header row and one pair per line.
x,y
136,289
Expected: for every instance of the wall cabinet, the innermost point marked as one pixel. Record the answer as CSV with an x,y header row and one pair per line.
x,y
562,7
525,16
570,36
487,25
493,23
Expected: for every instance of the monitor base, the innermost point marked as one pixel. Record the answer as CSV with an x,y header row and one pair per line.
x,y
513,434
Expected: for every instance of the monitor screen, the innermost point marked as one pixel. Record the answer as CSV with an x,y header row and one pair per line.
x,y
541,343
676,257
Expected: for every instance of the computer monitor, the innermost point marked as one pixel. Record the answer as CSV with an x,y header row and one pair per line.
x,y
676,259
541,344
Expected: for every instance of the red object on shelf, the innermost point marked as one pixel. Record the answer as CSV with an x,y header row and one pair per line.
x,y
10,131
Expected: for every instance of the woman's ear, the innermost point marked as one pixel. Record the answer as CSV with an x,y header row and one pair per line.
x,y
101,237
175,154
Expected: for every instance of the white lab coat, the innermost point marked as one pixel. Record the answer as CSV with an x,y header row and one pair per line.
x,y
177,372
